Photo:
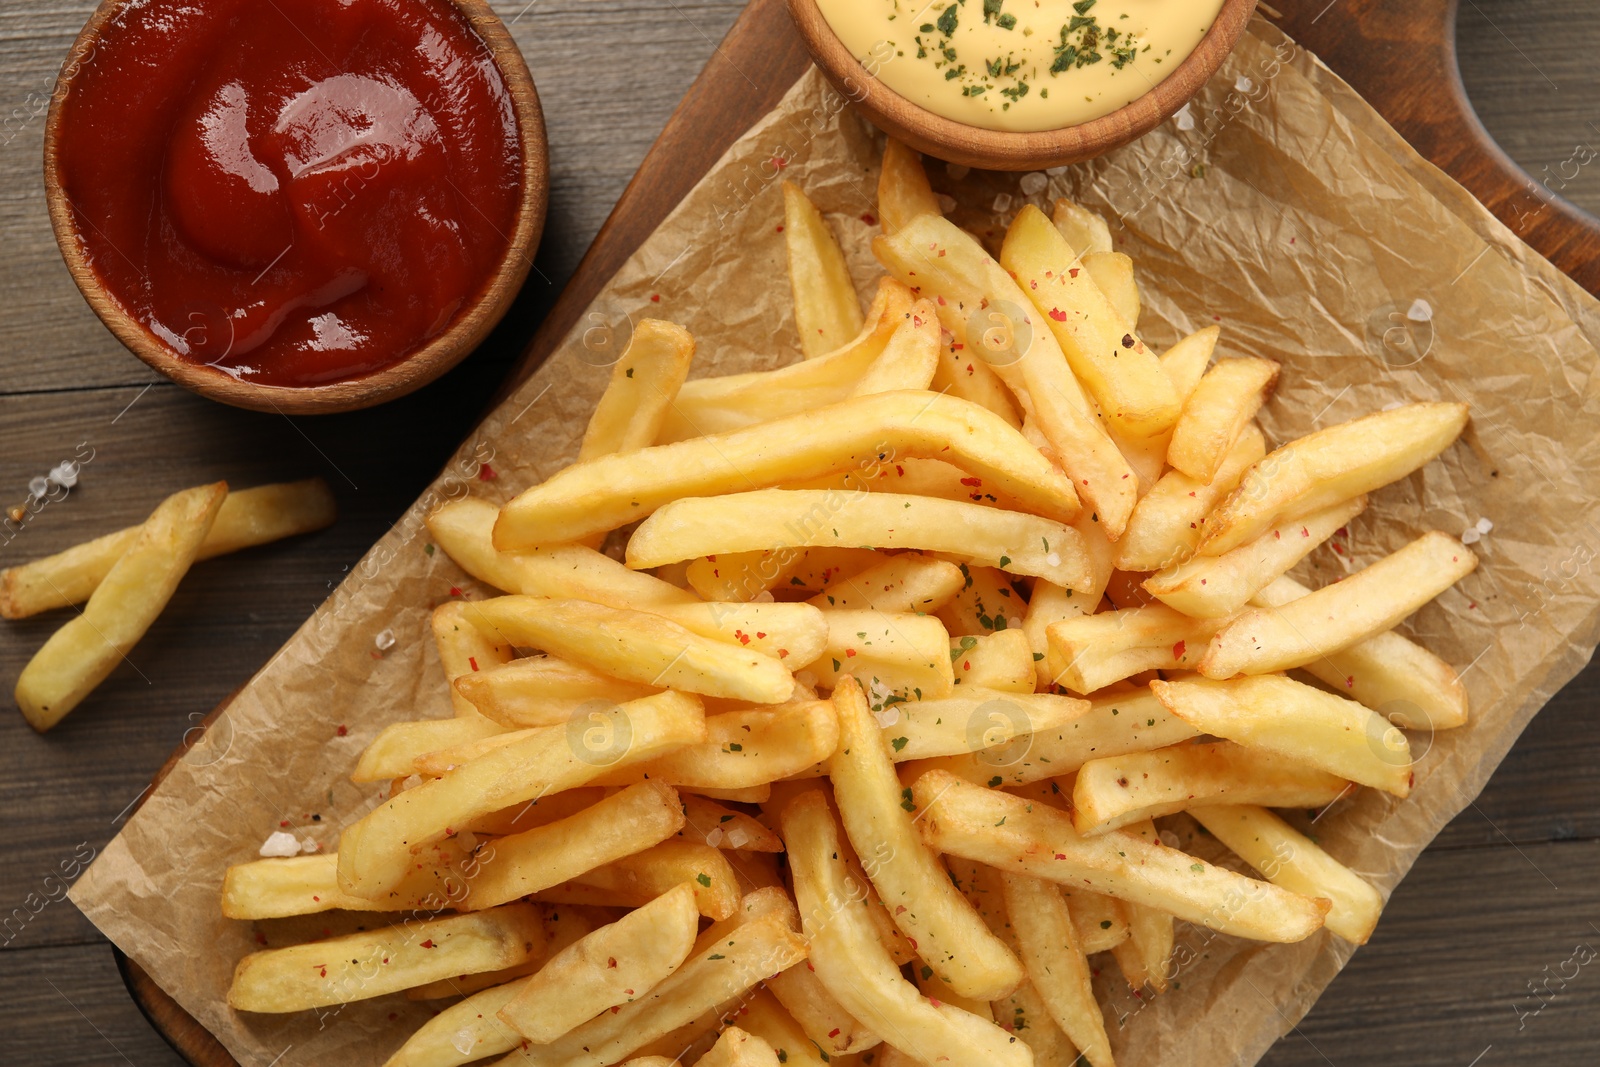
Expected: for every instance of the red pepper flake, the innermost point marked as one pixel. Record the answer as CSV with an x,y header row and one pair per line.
x,y
941,253
1061,855
323,968
912,942
974,482
342,731
1178,650
744,638
1058,314
936,1002
760,635
1277,535
849,653
1304,532
783,653
455,590
941,301
283,822
611,961
428,943
898,469
473,661
834,1032
901,910
486,473
316,898
780,227
869,218
616,1008
1073,272
655,298
966,665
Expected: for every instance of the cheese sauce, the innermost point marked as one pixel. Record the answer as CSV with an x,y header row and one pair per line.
x,y
1021,65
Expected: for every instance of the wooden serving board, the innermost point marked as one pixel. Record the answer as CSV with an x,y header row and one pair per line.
x,y
1400,57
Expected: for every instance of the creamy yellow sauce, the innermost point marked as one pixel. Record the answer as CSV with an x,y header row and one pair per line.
x,y
1021,65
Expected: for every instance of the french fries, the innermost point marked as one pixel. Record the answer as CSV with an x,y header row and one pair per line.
x,y
861,433
1013,835
360,966
744,748
1090,652
541,691
1000,661
1331,465
737,1048
1221,406
903,189
855,967
949,935
644,383
904,656
1169,521
394,752
464,649
1112,272
248,517
1369,602
771,518
1301,722
80,655
826,311
1056,963
1085,231
903,583
1116,791
617,964
467,1030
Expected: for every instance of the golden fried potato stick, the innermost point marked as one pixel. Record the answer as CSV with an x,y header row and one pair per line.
x,y
723,827
910,880
1014,835
767,518
1331,465
1114,724
909,359
636,646
1145,957
643,385
338,970
1088,653
982,306
903,189
1086,231
1112,273
1299,722
465,1031
248,517
734,401
1114,791
1371,601
855,967
761,1014
1056,963
1001,661
857,434
394,752
541,691
907,655
616,964
1217,586
907,582
744,748
986,603
1286,857
376,851
635,880
1170,519
464,649
1123,374
737,1048
826,310
1218,410
80,655
1393,675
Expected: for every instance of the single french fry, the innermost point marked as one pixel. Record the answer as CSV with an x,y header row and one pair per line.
x,y
990,723
1169,520
1106,355
738,1048
1049,604
910,653
375,851
248,517
1113,792
465,1031
1001,661
465,985
1101,922
986,603
910,358
741,577
1371,601
1218,586
982,305
963,372
636,646
859,434
903,583
903,189
711,978
1085,231
617,964
1331,465
826,1022
1090,652
722,827
826,310
761,1014
643,385
1146,956
542,691
394,752
1286,857
745,748
1218,410
307,885
731,402
360,966
1299,722
1394,676
768,518
541,811
464,649
1056,963
855,967
1014,835
1112,273
80,655
636,880
1185,363
1114,724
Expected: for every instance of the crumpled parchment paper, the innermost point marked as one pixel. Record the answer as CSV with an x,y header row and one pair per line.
x,y
1281,206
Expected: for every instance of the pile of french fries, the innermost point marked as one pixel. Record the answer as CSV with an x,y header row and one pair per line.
x,y
860,755
125,579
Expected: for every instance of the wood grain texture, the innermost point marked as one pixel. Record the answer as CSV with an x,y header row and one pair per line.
x,y
1476,921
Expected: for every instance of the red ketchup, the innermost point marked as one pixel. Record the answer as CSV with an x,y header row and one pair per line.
x,y
294,192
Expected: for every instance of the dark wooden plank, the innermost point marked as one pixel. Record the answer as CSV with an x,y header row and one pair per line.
x,y
67,1007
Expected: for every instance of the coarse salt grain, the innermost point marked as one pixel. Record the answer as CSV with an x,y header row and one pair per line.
x,y
888,716
1183,118
1002,201
464,1041
714,838
38,487
1054,559
1420,311
279,843
384,640
1034,183
1169,839
947,204
1243,84
65,474
308,846
1470,535
738,837
1484,525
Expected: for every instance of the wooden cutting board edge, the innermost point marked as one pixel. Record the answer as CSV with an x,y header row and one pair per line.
x,y
725,101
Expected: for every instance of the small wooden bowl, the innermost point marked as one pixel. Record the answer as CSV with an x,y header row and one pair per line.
x,y
957,142
414,370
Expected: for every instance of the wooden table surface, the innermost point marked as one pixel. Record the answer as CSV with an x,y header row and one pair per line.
x,y
1489,953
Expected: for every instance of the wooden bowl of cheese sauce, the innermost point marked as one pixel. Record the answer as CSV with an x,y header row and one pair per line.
x,y
1019,84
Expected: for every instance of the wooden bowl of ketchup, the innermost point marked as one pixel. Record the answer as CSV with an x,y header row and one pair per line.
x,y
300,206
